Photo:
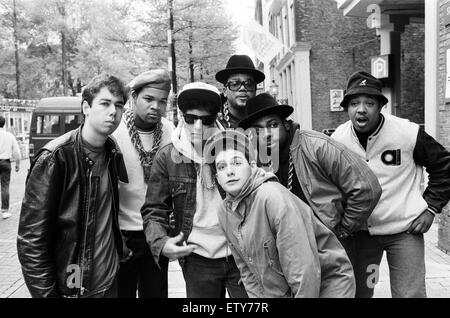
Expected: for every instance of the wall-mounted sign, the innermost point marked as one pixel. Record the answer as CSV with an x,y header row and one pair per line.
x,y
336,97
380,66
374,19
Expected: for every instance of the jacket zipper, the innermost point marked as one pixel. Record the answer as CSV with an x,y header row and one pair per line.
x,y
116,208
82,288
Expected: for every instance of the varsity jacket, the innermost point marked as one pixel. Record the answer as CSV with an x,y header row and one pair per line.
x,y
396,152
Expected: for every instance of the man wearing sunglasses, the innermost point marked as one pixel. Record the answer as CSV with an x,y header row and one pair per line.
x,y
183,184
239,79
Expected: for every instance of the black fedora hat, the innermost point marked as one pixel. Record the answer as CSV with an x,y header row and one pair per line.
x,y
363,83
239,64
262,105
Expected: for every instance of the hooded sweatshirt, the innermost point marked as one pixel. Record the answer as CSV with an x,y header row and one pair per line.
x,y
280,248
206,233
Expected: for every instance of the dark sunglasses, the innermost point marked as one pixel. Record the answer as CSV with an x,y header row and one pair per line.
x,y
206,120
236,85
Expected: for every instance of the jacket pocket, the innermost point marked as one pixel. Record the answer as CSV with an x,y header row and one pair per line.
x,y
271,254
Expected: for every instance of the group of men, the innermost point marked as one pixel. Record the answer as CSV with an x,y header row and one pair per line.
x,y
108,205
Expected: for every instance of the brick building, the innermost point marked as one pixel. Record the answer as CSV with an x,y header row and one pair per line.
x,y
325,41
322,47
441,114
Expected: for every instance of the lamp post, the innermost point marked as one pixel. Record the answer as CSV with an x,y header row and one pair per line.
x,y
273,89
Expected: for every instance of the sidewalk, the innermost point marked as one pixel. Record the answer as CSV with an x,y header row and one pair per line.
x,y
12,284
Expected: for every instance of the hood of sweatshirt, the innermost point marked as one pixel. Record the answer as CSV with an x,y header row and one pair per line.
x,y
182,144
256,179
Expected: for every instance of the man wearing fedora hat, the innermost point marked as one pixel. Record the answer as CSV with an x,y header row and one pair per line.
x,y
239,78
336,184
396,150
142,131
183,184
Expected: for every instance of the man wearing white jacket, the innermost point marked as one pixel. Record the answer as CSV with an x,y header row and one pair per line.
x,y
396,150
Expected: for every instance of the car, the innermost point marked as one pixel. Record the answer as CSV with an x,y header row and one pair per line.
x,y
53,117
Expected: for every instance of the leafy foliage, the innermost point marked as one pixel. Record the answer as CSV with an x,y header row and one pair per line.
x,y
67,42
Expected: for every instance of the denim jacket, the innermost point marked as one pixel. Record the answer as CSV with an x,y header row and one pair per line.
x,y
172,189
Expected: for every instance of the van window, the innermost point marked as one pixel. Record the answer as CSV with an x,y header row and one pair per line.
x,y
72,122
47,124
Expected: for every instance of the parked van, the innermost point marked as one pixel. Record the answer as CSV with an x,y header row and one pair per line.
x,y
53,117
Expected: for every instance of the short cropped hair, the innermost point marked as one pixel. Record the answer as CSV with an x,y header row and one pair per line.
x,y
114,85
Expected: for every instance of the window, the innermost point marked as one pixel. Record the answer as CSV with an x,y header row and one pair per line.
x,y
72,122
47,125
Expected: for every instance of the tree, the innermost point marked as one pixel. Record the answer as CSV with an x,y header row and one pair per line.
x,y
62,44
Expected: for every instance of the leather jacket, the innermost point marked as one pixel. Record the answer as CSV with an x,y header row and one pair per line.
x,y
349,199
56,234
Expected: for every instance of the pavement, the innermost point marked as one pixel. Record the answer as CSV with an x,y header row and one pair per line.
x,y
12,284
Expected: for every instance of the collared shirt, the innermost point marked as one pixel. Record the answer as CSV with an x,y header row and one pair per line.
x,y
9,148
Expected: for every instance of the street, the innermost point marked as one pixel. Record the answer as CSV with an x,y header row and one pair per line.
x,y
12,284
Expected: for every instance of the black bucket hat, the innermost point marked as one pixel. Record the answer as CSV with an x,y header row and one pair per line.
x,y
262,105
239,64
362,83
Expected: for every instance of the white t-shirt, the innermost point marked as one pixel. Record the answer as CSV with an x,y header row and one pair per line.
x,y
132,194
9,148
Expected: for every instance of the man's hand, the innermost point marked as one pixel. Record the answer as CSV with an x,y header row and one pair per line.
x,y
422,223
127,254
342,233
171,250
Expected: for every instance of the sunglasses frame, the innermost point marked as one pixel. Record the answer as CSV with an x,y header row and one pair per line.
x,y
245,83
202,118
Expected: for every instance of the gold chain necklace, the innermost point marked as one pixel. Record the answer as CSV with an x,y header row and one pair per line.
x,y
145,157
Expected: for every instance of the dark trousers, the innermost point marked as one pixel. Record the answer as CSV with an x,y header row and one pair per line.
x,y
208,278
140,273
349,245
5,177
406,259
111,292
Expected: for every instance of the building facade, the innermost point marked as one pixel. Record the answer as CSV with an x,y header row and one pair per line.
x,y
323,47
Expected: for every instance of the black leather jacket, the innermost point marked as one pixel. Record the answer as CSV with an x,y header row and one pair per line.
x,y
56,235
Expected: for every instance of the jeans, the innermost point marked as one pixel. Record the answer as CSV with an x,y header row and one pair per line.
x,y
208,278
5,177
141,272
406,259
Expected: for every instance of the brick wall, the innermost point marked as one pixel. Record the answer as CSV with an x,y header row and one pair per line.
x,y
443,128
412,73
342,45
444,109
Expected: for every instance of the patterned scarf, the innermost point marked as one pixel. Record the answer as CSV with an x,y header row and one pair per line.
x,y
145,157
